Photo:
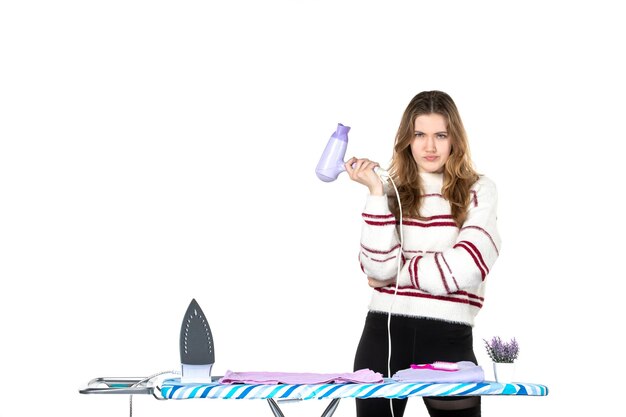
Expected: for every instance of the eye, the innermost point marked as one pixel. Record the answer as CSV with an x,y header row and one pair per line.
x,y
442,136
419,134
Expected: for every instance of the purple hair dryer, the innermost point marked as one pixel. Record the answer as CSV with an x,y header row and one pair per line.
x,y
331,163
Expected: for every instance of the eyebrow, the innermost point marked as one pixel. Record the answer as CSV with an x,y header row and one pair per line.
x,y
436,133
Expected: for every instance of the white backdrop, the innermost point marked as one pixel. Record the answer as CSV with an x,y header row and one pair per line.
x,y
158,151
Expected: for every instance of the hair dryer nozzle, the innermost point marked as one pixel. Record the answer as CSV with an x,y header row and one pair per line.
x,y
342,132
331,163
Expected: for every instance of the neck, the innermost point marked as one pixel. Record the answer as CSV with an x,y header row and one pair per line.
x,y
432,182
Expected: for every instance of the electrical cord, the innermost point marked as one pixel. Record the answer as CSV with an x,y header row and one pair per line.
x,y
384,175
400,254
145,381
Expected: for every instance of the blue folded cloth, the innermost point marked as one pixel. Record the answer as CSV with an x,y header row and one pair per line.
x,y
467,372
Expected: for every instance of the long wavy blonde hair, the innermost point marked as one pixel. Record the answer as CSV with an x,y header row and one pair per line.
x,y
458,175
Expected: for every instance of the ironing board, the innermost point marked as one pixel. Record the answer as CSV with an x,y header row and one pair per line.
x,y
173,389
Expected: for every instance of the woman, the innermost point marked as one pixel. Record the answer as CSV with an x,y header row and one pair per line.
x,y
449,243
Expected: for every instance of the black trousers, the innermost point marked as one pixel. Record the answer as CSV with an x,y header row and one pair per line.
x,y
413,341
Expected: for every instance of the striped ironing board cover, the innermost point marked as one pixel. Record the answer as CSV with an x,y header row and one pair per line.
x,y
174,389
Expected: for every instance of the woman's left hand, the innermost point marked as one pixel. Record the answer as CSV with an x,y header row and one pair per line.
x,y
376,283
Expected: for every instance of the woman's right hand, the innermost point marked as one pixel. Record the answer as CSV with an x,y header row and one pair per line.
x,y
362,171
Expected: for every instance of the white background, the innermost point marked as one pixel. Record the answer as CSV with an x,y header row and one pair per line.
x,y
158,151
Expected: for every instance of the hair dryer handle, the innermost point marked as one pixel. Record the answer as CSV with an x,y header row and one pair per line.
x,y
384,175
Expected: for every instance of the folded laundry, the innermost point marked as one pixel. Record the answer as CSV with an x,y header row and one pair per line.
x,y
270,378
467,372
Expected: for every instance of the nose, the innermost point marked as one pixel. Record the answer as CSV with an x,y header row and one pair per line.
x,y
430,144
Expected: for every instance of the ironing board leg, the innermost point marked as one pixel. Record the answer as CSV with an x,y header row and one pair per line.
x,y
275,408
330,410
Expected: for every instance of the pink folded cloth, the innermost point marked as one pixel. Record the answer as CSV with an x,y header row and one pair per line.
x,y
438,366
272,378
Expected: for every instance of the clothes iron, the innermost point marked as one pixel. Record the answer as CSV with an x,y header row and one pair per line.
x,y
197,353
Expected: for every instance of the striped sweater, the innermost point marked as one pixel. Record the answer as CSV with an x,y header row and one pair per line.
x,y
443,267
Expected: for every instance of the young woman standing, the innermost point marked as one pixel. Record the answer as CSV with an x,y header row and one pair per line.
x,y
448,243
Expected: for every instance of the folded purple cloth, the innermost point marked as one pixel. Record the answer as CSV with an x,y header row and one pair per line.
x,y
467,372
360,376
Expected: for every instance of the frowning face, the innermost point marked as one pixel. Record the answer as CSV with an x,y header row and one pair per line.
x,y
431,143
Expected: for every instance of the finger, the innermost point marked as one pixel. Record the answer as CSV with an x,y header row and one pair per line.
x,y
349,165
362,165
367,165
367,169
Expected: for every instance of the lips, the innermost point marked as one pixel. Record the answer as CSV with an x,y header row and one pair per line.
x,y
431,158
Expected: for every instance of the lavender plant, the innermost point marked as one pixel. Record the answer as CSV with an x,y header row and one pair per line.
x,y
502,352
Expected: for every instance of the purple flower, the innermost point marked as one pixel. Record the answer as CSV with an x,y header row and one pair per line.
x,y
503,352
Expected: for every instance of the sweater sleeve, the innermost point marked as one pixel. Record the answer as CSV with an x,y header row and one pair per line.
x,y
467,263
380,246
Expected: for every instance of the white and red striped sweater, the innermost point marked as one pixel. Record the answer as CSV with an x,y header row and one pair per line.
x,y
443,267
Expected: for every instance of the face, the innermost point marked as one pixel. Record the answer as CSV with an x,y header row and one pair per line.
x,y
431,143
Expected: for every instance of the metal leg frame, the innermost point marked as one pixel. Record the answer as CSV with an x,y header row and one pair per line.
x,y
134,386
328,412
